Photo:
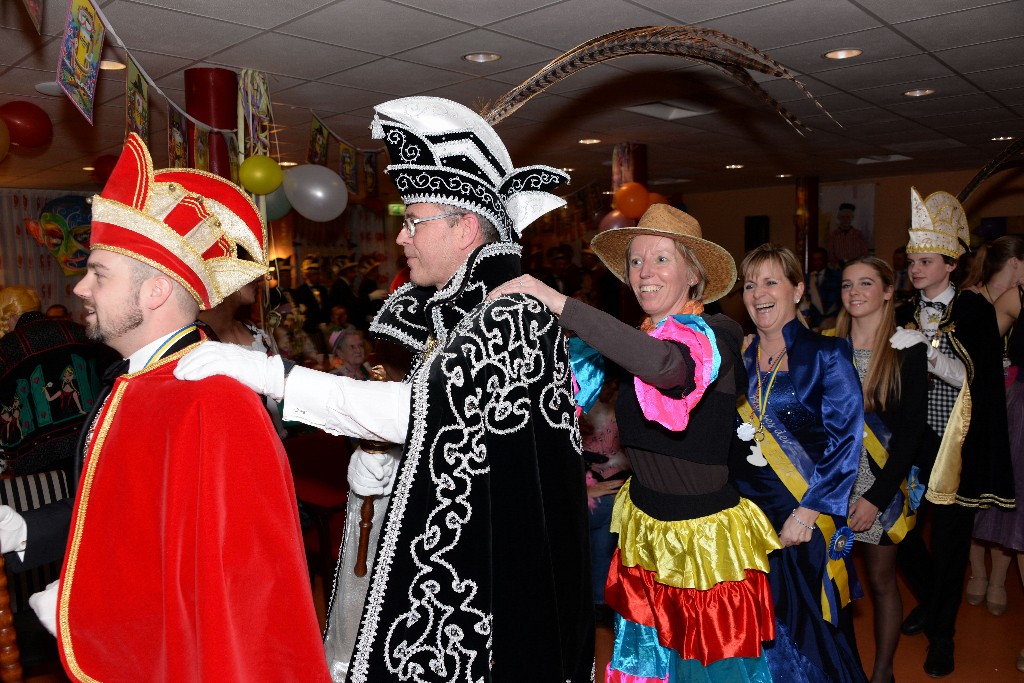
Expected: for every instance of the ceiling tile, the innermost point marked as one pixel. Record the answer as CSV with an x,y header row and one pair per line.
x,y
324,97
265,15
477,13
903,70
877,44
787,23
164,31
905,10
998,79
448,55
997,53
395,76
291,56
967,27
567,24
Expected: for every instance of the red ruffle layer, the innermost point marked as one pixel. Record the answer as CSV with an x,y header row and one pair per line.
x,y
730,619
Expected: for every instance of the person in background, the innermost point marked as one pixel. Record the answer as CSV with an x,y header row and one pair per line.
x,y
895,388
802,425
349,347
607,469
483,560
822,300
168,573
312,299
846,241
688,580
904,287
999,268
49,380
966,465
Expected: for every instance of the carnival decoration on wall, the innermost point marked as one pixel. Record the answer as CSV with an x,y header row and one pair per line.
x,y
35,13
348,170
63,227
80,49
370,173
201,148
137,102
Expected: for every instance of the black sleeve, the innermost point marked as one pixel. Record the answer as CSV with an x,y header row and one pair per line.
x,y
908,420
47,535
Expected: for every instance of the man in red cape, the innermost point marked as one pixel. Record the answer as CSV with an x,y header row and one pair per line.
x,y
184,560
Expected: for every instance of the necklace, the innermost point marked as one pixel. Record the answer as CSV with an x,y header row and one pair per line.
x,y
746,431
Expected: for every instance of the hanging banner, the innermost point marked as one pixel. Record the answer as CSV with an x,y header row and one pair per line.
x,y
317,153
232,142
201,145
348,170
80,50
370,173
177,139
35,12
255,96
137,98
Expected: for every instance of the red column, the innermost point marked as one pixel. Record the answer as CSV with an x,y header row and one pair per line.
x,y
210,97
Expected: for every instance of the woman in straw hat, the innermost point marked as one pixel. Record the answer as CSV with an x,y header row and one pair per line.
x,y
688,581
802,421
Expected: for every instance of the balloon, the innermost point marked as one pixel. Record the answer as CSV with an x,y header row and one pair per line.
x,y
656,198
631,199
28,124
5,139
260,174
277,204
615,219
316,192
102,167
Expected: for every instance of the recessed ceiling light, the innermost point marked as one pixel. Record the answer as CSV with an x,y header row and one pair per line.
x,y
919,92
482,57
1002,138
843,53
287,163
590,141
51,88
784,175
111,65
733,167
88,168
568,170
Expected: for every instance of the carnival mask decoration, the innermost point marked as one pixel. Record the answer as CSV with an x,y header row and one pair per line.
x,y
64,228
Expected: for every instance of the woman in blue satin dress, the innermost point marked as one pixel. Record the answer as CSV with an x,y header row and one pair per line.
x,y
802,425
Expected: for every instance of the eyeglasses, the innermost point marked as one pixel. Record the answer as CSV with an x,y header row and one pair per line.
x,y
411,223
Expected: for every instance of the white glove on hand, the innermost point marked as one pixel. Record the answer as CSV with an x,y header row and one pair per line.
x,y
13,530
44,604
261,373
904,339
371,474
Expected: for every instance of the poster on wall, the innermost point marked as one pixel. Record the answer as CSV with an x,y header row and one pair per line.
x,y
348,170
80,50
846,221
177,139
201,145
370,173
137,102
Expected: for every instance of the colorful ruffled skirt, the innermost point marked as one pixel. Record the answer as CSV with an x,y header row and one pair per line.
x,y
691,597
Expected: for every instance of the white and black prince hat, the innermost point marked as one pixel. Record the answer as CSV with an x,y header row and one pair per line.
x,y
445,153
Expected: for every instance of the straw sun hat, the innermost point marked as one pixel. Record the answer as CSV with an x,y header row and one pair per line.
x,y
666,221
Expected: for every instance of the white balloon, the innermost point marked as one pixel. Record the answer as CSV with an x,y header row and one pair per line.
x,y
316,192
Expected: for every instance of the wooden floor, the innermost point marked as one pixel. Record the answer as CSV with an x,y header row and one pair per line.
x,y
986,646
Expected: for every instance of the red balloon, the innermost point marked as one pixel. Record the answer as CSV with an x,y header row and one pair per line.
x,y
631,199
102,167
615,219
28,124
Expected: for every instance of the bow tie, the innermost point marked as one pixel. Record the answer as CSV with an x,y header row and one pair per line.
x,y
934,305
114,371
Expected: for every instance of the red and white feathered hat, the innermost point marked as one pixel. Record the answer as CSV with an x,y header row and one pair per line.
x,y
196,227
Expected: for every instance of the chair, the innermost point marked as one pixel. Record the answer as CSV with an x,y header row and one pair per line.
x,y
319,463
26,492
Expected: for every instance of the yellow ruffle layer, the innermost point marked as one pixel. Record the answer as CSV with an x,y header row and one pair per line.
x,y
694,553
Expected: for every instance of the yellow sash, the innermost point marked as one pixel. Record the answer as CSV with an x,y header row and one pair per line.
x,y
797,486
907,519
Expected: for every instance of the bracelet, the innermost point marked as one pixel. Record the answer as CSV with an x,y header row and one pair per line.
x,y
800,521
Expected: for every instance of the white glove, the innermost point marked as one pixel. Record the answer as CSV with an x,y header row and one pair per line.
x,y
13,530
261,373
372,474
44,604
904,339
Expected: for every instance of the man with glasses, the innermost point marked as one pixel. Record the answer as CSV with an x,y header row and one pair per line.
x,y
482,565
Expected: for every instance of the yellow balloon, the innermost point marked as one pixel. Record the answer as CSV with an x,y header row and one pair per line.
x,y
5,139
260,174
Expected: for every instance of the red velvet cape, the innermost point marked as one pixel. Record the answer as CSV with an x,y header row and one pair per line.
x,y
185,559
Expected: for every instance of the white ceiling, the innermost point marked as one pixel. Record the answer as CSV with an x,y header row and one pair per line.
x,y
339,58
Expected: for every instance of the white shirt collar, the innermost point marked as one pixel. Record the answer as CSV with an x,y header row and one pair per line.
x,y
945,296
140,358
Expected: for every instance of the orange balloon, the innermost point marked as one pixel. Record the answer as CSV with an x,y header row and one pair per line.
x,y
656,198
631,199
